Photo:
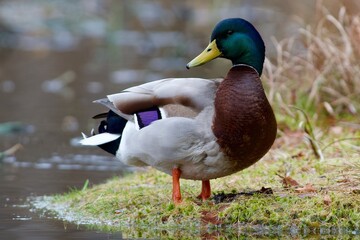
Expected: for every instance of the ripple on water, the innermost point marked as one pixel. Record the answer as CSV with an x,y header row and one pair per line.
x,y
72,162
62,212
20,218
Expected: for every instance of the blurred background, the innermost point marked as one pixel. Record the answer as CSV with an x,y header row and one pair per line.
x,y
57,56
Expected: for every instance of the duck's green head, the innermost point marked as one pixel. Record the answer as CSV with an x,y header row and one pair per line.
x,y
237,40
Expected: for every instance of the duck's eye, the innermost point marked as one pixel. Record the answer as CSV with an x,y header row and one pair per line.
x,y
230,32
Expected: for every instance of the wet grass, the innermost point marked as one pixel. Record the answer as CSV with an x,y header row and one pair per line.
x,y
309,196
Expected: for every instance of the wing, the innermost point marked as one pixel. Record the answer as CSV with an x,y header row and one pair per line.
x,y
194,93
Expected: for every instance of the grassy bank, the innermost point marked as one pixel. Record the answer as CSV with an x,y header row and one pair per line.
x,y
308,196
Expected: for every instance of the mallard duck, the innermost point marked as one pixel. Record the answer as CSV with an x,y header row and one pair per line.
x,y
194,128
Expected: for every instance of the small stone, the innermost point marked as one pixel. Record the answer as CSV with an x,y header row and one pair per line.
x,y
118,211
327,200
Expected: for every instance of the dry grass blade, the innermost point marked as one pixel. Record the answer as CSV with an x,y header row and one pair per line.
x,y
310,135
13,149
319,66
340,140
308,188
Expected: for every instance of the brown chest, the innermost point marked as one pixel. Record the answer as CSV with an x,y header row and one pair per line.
x,y
244,123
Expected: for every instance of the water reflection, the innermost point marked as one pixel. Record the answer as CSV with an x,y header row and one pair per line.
x,y
58,56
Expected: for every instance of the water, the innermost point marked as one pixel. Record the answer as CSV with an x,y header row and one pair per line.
x,y
17,184
56,57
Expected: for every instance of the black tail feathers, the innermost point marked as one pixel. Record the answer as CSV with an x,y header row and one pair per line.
x,y
113,124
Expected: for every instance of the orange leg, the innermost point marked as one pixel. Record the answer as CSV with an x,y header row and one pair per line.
x,y
176,195
205,190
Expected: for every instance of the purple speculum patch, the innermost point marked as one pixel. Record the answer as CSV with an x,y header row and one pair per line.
x,y
146,117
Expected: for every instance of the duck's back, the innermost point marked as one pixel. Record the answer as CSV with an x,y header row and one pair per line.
x,y
244,123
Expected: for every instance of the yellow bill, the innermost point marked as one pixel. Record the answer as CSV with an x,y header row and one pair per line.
x,y
211,52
